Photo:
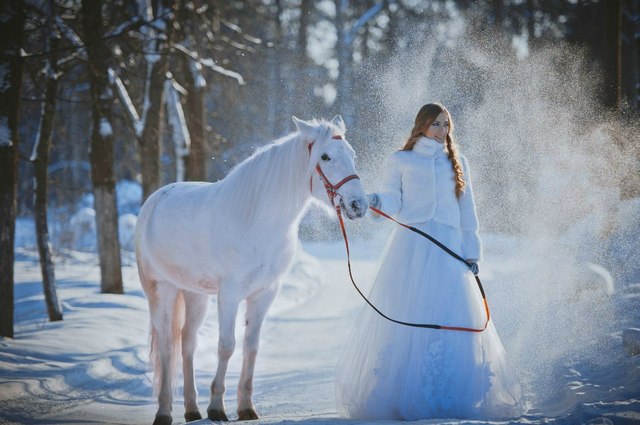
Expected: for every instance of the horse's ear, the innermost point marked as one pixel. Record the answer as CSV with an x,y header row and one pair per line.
x,y
302,126
339,122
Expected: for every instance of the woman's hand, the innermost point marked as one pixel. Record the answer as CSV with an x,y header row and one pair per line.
x,y
374,200
473,266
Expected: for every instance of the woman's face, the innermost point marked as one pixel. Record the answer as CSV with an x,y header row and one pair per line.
x,y
439,128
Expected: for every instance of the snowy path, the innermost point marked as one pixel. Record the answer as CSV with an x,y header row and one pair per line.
x,y
84,370
92,367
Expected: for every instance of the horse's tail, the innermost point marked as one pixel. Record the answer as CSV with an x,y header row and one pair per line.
x,y
175,353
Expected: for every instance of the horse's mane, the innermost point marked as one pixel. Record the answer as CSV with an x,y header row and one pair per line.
x,y
273,183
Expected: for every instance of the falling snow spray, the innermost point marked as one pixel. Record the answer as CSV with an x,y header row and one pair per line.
x,y
547,166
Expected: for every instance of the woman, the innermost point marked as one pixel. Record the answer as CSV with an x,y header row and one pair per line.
x,y
390,371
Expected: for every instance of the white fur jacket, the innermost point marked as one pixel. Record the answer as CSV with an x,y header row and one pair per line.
x,y
419,185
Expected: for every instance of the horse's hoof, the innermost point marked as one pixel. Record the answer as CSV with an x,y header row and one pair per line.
x,y
163,420
247,415
192,416
217,415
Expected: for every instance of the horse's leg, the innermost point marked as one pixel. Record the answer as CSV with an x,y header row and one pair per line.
x,y
195,309
162,316
228,302
256,311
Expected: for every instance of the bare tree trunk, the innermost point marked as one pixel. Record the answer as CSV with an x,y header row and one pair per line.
x,y
635,7
276,87
612,95
303,38
101,149
40,159
393,31
12,30
196,123
531,21
498,12
345,62
194,83
302,87
151,139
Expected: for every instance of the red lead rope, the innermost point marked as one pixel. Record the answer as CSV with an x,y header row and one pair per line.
x,y
453,254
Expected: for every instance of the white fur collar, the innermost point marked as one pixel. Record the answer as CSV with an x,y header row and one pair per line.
x,y
429,147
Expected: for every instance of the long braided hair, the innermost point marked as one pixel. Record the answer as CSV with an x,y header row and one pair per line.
x,y
426,116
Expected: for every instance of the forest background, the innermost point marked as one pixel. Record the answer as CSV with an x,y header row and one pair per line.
x,y
98,94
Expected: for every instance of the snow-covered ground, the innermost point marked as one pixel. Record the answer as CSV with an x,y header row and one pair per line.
x,y
92,367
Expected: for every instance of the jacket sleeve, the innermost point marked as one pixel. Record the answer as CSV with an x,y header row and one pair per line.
x,y
471,245
391,189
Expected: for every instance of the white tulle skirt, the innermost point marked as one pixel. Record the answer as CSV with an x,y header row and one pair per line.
x,y
389,371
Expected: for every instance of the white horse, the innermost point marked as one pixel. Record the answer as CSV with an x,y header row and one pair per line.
x,y
234,238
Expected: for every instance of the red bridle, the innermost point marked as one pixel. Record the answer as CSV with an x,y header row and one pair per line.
x,y
332,189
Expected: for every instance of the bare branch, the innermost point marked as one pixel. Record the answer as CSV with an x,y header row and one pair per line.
x,y
125,99
71,35
237,29
133,26
124,27
366,16
209,63
236,44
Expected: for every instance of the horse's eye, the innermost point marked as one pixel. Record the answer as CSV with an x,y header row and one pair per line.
x,y
325,157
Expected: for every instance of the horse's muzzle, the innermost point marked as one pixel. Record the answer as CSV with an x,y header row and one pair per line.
x,y
354,207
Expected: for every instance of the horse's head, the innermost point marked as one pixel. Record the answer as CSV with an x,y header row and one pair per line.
x,y
334,179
